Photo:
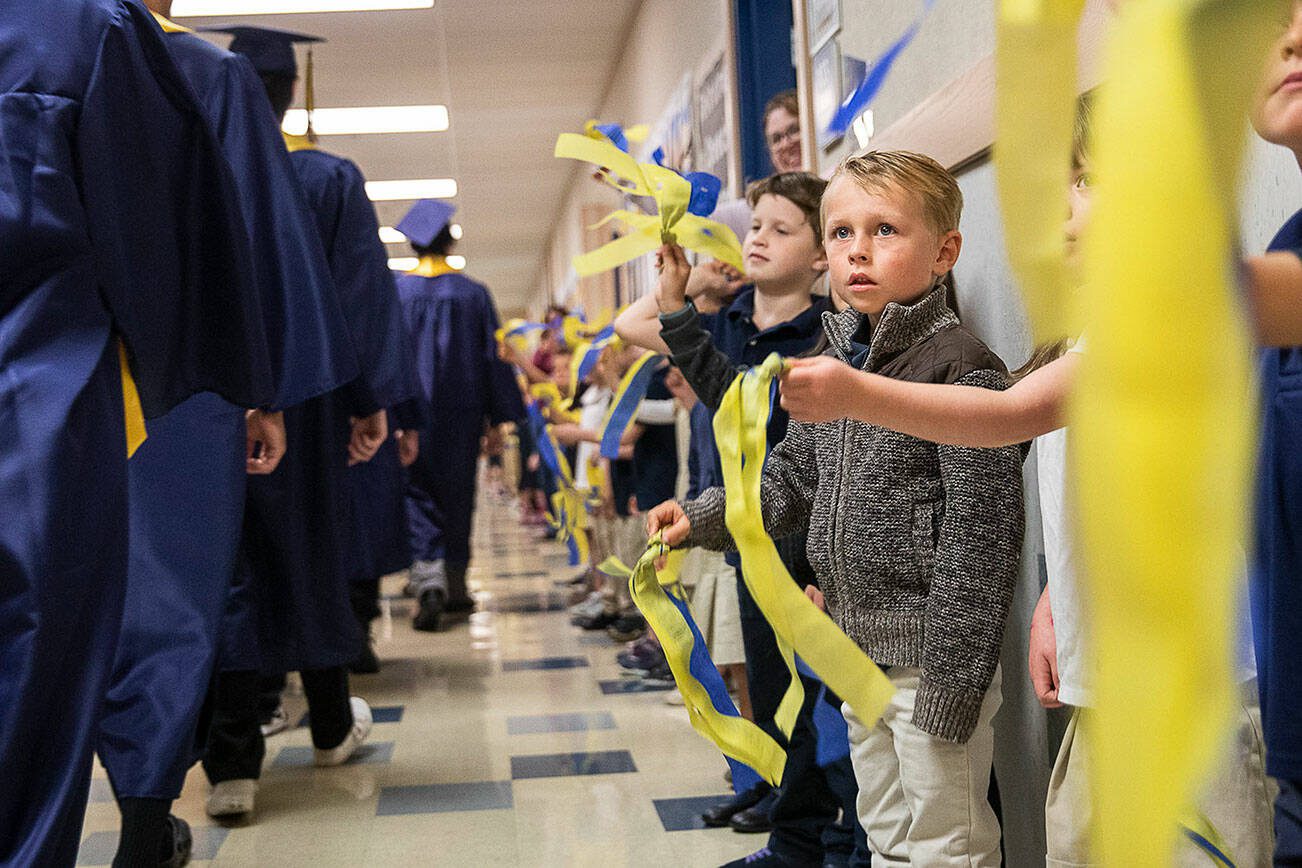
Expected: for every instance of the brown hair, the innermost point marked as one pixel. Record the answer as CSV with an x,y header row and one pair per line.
x,y
784,100
942,201
802,189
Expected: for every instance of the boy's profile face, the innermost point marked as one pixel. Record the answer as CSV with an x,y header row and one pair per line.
x,y
1277,113
1080,199
881,248
561,371
780,247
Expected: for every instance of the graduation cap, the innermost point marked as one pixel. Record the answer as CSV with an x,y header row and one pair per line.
x,y
426,219
271,52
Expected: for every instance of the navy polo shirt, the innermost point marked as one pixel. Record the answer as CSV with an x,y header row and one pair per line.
x,y
1277,564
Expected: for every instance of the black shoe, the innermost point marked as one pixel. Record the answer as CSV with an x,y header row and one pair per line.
x,y
720,814
627,627
431,612
762,858
182,843
462,606
366,663
756,818
597,622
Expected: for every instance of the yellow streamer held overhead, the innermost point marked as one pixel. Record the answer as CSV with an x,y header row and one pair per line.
x,y
646,232
733,735
1035,97
133,413
1162,424
740,431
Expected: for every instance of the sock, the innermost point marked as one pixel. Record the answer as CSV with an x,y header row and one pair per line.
x,y
145,833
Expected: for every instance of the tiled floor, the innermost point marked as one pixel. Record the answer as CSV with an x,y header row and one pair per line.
x,y
511,740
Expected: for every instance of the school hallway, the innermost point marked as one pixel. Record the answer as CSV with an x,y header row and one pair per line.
x,y
509,740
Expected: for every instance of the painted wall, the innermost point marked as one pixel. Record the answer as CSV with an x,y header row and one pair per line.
x,y
668,39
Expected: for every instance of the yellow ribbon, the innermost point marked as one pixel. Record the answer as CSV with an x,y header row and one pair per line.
x,y
671,192
433,266
1163,416
740,431
733,735
133,412
1035,95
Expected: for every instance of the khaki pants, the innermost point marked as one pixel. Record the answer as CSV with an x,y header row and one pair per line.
x,y
1237,802
715,607
923,800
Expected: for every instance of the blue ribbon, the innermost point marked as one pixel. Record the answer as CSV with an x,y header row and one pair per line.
x,y
622,413
875,76
744,777
615,133
705,187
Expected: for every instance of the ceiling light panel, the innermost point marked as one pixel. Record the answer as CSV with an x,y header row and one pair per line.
x,y
389,235
196,8
416,188
373,120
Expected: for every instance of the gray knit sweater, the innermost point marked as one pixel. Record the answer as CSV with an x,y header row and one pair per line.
x,y
916,545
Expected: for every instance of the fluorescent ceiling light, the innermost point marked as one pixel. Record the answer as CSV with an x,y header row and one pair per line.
x,y
369,120
407,263
194,8
417,188
389,235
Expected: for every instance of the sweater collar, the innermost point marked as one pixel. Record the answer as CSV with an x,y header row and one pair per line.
x,y
901,326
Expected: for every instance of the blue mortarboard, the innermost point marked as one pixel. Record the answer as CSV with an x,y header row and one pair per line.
x,y
270,51
426,220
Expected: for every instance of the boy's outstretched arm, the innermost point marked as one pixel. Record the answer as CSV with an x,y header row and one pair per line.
x,y
639,325
1274,290
823,389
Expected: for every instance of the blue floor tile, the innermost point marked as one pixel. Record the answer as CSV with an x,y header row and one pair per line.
x,y
535,724
526,603
98,848
597,639
524,574
545,663
631,685
440,798
368,754
379,714
680,815
559,765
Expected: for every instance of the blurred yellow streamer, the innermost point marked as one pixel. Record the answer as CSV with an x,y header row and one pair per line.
x,y
740,431
732,734
1035,97
134,414
1163,419
671,192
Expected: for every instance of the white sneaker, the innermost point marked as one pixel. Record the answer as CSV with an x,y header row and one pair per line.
x,y
232,798
337,756
279,722
674,697
593,606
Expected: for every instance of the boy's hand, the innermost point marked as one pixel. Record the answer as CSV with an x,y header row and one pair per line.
x,y
369,433
408,447
818,390
671,290
816,597
669,518
713,283
1043,656
265,438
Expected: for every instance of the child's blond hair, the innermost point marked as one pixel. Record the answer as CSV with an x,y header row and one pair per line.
x,y
875,171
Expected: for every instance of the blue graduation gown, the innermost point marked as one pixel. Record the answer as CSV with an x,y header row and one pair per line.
x,y
290,609
377,490
103,150
453,324
188,480
1276,581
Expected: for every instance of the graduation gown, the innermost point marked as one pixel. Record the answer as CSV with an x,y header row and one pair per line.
x,y
291,608
188,479
103,237
453,324
378,491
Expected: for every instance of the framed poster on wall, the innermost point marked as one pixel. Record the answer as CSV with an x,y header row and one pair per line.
x,y
713,144
826,75
824,20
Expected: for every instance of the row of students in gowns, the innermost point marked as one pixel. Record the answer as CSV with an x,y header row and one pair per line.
x,y
112,264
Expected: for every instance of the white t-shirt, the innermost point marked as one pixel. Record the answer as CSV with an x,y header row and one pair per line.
x,y
594,404
1075,665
